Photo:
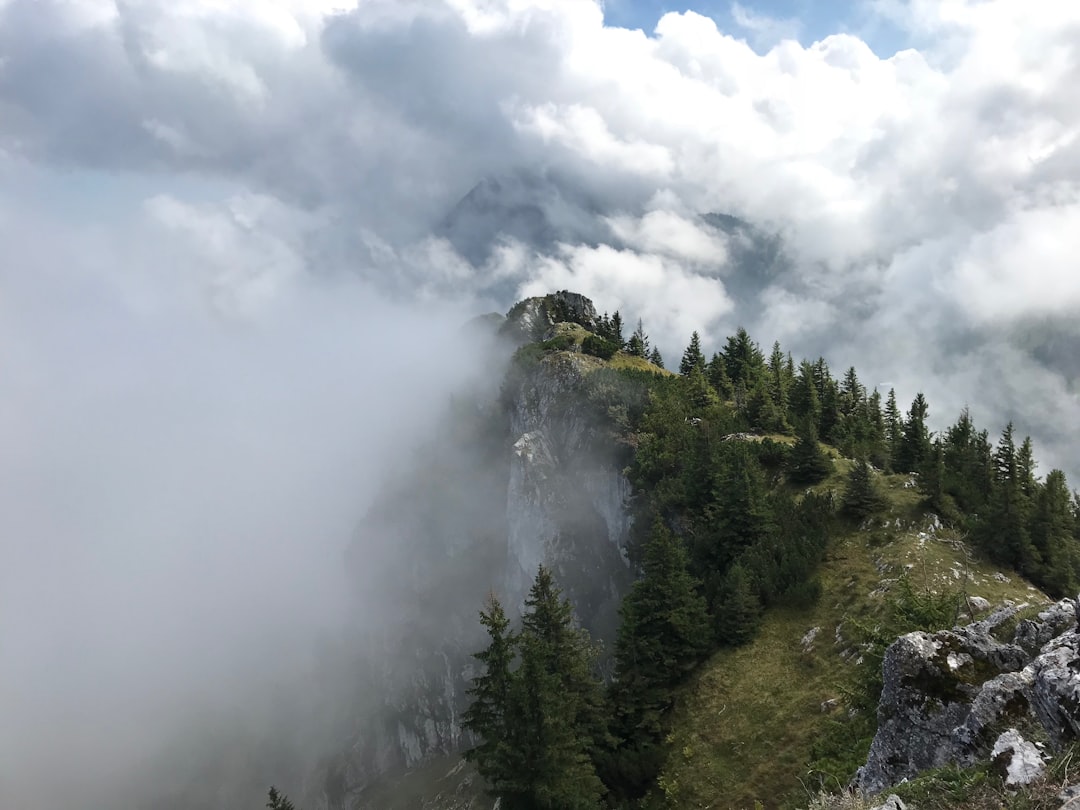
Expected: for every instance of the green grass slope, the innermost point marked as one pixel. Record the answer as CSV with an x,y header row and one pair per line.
x,y
746,726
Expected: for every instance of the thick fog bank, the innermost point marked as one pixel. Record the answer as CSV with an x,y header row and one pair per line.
x,y
177,491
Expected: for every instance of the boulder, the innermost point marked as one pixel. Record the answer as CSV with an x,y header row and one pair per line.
x,y
952,697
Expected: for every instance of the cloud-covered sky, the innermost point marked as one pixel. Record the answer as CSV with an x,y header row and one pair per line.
x,y
222,220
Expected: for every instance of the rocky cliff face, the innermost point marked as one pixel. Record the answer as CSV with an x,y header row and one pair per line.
x,y
999,689
531,477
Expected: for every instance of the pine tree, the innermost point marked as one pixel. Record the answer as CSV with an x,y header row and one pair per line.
x,y
692,358
1053,533
278,801
738,610
894,429
638,345
656,358
664,632
542,723
805,402
861,496
616,330
490,715
807,463
743,360
716,371
561,708
914,445
1003,530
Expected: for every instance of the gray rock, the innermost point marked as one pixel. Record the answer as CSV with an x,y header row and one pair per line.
x,y
978,604
892,802
950,697
1022,761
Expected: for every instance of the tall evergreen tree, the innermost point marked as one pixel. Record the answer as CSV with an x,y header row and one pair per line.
x,y
542,724
1053,533
638,345
743,360
490,716
807,463
805,402
692,358
716,371
278,801
781,378
738,609
915,441
616,330
894,429
664,632
861,496
1003,530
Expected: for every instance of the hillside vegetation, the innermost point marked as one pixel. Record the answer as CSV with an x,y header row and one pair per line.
x,y
789,526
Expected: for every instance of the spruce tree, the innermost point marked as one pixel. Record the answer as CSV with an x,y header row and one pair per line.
x,y
780,379
743,360
638,345
737,614
490,716
894,429
807,462
616,330
692,358
805,402
656,358
716,371
914,445
276,800
861,495
562,717
664,632
1053,533
1003,530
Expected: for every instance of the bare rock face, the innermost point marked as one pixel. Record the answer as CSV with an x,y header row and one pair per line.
x,y
534,477
952,697
529,320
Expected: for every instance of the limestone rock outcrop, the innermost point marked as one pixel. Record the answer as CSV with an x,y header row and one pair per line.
x,y
986,690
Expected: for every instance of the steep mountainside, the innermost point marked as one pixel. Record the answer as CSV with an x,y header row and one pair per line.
x,y
815,527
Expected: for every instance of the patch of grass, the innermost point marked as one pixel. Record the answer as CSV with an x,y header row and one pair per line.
x,y
630,362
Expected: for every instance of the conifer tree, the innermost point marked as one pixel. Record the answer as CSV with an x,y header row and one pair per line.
x,y
656,358
805,402
541,724
664,632
279,801
716,371
807,463
743,360
616,330
932,481
1003,530
915,440
894,429
861,495
780,377
1053,533
737,614
638,345
692,358
490,715
561,708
